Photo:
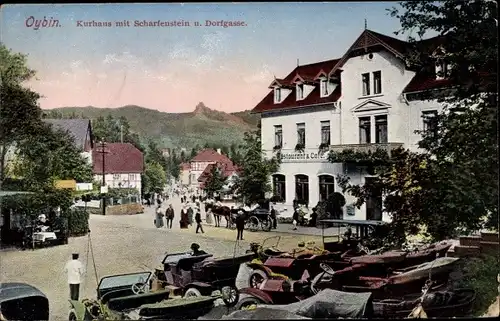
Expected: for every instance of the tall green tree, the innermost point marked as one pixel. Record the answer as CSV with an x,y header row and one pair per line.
x,y
154,178
253,180
194,151
113,130
20,114
215,181
225,150
466,147
154,154
48,156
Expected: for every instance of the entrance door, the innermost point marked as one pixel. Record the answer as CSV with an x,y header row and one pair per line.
x,y
373,203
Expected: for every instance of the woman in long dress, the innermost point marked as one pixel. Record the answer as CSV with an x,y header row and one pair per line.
x,y
159,217
208,216
184,218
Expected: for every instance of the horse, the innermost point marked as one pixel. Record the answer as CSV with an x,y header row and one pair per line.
x,y
219,211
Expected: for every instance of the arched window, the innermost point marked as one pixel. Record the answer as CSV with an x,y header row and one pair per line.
x,y
326,186
279,187
302,188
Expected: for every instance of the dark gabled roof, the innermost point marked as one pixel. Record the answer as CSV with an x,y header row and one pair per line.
x,y
77,128
210,155
120,158
314,98
368,38
14,290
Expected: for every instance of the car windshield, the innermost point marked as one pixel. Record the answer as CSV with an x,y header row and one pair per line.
x,y
123,280
174,258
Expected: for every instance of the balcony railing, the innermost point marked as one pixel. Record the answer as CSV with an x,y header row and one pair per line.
x,y
365,148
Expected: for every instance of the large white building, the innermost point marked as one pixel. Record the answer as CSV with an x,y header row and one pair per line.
x,y
369,98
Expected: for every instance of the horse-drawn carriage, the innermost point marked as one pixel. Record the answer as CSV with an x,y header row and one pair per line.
x,y
255,218
259,217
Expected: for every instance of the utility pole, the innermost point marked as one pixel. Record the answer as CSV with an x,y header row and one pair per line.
x,y
121,133
103,151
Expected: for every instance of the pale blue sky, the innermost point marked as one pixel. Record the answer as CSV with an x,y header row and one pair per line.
x,y
227,68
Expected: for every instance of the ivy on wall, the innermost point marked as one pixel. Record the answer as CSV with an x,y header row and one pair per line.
x,y
377,157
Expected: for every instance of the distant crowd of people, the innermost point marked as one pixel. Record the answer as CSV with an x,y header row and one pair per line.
x,y
190,212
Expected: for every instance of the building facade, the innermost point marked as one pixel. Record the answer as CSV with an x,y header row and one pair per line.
x,y
366,100
203,159
123,165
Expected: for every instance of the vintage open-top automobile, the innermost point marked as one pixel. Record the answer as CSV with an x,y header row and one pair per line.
x,y
21,301
201,275
129,297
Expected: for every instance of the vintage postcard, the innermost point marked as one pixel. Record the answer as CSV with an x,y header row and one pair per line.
x,y
200,160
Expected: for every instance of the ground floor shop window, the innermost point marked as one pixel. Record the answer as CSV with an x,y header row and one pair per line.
x,y
302,189
326,186
279,187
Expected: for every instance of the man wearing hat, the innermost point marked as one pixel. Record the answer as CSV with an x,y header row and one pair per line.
x,y
169,215
74,269
196,250
240,224
197,218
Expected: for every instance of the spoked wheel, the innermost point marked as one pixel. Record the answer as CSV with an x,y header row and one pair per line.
x,y
256,278
253,224
266,224
230,295
192,292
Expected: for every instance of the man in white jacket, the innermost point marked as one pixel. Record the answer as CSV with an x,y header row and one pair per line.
x,y
74,269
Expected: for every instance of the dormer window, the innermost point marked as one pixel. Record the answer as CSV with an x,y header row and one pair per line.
x,y
300,91
442,69
277,95
324,88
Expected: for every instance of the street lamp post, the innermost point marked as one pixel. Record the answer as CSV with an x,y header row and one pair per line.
x,y
103,151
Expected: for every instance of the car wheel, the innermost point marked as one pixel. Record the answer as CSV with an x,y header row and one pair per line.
x,y
72,316
256,278
230,295
192,292
247,302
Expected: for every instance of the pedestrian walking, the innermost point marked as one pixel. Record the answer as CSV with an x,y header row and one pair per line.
x,y
240,224
184,218
295,218
274,218
197,218
314,217
159,217
208,216
190,213
74,270
169,215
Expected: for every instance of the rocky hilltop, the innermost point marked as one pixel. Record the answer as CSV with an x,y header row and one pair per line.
x,y
174,130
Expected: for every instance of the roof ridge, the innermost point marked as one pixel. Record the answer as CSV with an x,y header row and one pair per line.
x,y
384,35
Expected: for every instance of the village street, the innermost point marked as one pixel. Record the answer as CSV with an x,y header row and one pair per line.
x,y
121,244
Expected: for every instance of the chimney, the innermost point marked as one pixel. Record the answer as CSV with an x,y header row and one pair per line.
x,y
218,150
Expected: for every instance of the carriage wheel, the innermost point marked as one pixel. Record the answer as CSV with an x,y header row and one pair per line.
x,y
266,223
252,224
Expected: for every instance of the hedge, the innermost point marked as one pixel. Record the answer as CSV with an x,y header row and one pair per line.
x,y
78,221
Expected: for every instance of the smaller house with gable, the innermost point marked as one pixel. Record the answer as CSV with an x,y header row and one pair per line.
x,y
123,165
200,163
